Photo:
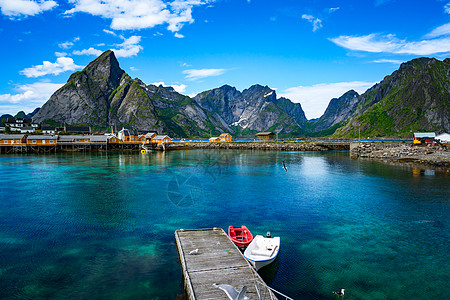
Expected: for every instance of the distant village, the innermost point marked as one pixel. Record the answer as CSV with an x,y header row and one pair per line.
x,y
22,135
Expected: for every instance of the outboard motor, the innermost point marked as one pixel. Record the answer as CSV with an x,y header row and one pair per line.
x,y
268,235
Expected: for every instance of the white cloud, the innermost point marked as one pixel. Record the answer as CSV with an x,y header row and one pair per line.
x,y
439,31
90,51
139,14
194,74
391,61
317,23
447,8
333,9
29,97
129,47
181,88
109,32
177,35
60,54
17,8
391,44
315,99
62,64
66,45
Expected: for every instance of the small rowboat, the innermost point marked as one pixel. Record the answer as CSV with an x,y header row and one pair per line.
x,y
262,251
240,236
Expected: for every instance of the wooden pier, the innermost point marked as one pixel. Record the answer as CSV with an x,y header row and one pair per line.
x,y
218,261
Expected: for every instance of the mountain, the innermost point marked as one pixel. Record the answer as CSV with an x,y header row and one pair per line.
x,y
22,115
338,110
5,116
103,95
414,98
254,109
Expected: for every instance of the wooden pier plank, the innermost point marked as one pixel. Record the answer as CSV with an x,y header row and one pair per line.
x,y
218,261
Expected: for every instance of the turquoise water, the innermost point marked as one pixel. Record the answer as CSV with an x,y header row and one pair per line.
x,y
101,226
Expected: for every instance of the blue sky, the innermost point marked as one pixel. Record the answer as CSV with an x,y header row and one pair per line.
x,y
309,51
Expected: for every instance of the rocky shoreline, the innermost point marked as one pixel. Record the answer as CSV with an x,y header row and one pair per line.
x,y
436,157
400,153
274,146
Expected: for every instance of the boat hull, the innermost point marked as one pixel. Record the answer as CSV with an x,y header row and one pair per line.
x,y
262,251
240,236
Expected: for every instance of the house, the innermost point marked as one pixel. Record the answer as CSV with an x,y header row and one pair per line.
x,y
49,130
427,138
98,139
40,140
265,135
147,137
21,125
78,129
27,129
13,139
112,139
215,139
74,139
125,135
161,139
225,137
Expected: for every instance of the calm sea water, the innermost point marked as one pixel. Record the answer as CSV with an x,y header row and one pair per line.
x,y
101,226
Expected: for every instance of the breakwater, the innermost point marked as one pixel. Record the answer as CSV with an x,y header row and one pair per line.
x,y
436,156
274,146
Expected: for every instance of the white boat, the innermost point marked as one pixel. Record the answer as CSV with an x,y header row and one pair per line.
x,y
262,250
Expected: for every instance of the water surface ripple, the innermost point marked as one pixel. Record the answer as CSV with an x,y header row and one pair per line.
x,y
100,226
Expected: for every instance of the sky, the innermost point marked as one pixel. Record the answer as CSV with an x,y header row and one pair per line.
x,y
309,51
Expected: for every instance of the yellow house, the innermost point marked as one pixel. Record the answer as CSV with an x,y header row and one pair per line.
x,y
225,137
161,139
149,136
42,140
112,139
13,139
215,139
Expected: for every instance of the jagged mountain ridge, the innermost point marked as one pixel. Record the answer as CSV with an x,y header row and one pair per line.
x,y
338,110
256,109
414,98
103,95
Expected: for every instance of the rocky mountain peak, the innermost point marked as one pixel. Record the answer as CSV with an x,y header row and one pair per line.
x,y
103,71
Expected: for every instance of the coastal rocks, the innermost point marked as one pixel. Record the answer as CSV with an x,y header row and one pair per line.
x,y
403,153
288,146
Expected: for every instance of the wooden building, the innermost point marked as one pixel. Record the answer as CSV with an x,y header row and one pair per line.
x,y
265,135
49,130
225,137
215,139
74,139
99,139
427,138
41,140
21,125
13,139
147,138
112,139
161,139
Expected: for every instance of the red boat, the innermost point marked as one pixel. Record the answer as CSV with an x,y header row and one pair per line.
x,y
241,236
